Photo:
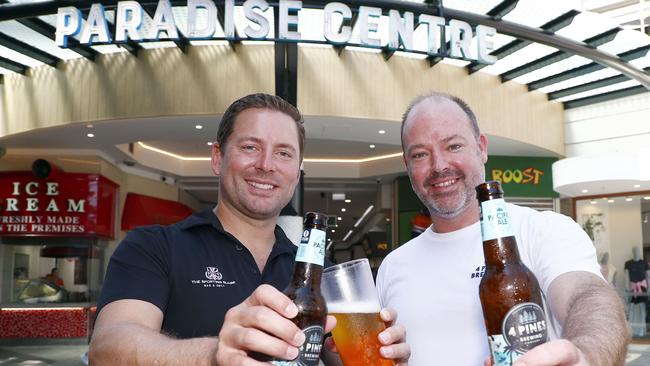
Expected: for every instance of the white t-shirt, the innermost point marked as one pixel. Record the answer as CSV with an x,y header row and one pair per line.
x,y
432,281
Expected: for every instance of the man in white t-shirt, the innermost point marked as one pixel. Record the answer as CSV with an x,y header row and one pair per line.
x,y
432,281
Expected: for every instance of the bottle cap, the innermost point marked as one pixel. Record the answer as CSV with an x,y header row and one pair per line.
x,y
490,187
315,218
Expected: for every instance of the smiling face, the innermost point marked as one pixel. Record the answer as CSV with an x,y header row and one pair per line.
x,y
259,166
444,159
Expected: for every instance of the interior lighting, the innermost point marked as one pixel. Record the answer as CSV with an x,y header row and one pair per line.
x,y
593,202
585,190
364,215
637,186
209,143
339,218
91,135
348,200
198,127
90,125
333,230
347,235
308,160
372,146
646,198
160,151
343,210
610,201
629,199
381,132
363,160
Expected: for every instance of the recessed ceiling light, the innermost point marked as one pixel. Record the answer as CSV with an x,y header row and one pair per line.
x,y
342,210
209,143
637,186
372,146
585,190
381,132
198,127
593,202
628,199
90,135
333,230
348,200
339,218
610,201
646,198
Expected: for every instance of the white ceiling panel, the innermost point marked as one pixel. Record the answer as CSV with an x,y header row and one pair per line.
x,y
605,89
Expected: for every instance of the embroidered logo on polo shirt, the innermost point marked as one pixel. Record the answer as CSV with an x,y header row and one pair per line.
x,y
213,273
214,278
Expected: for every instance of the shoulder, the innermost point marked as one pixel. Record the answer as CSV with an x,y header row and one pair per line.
x,y
404,251
531,218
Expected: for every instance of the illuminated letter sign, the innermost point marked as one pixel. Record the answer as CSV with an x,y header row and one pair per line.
x,y
378,27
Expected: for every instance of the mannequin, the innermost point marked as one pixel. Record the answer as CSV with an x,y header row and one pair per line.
x,y
636,285
607,269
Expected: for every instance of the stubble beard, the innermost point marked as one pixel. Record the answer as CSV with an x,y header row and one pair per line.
x,y
437,206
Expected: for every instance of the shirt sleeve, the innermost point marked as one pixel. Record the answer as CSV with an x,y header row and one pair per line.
x,y
138,269
558,245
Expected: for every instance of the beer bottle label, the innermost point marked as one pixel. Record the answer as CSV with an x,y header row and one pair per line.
x,y
495,222
523,328
312,247
309,351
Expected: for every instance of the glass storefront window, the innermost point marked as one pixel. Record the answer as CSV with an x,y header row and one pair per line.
x,y
620,230
50,270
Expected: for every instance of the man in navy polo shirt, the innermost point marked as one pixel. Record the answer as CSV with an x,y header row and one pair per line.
x,y
169,291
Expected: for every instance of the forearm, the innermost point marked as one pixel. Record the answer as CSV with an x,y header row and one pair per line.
x,y
595,323
135,345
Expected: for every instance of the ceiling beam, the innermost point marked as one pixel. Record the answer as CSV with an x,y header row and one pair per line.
x,y
28,50
557,56
49,31
590,86
605,97
501,10
12,65
554,40
510,48
589,68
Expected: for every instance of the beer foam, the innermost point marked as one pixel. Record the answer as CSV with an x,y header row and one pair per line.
x,y
353,307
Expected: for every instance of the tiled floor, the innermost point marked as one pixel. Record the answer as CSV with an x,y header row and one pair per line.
x,y
65,355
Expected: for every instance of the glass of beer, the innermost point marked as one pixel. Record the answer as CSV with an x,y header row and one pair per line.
x,y
351,297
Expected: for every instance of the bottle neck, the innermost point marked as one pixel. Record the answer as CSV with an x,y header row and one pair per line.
x,y
307,274
500,252
499,243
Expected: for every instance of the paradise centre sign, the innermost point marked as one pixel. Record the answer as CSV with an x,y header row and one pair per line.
x,y
202,16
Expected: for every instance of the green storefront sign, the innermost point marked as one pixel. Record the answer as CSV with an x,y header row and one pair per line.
x,y
522,176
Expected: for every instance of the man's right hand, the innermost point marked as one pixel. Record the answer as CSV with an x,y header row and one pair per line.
x,y
260,324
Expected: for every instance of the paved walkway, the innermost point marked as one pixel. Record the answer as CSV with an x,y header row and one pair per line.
x,y
64,355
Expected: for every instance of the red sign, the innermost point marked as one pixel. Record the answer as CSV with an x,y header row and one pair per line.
x,y
64,204
141,210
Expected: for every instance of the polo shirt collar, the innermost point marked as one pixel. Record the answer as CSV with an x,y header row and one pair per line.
x,y
207,217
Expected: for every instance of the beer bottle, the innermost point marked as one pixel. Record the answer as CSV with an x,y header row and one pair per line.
x,y
510,296
304,289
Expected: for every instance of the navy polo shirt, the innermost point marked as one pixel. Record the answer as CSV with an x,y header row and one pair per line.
x,y
194,271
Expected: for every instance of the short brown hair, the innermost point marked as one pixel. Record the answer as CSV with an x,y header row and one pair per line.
x,y
436,96
261,101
